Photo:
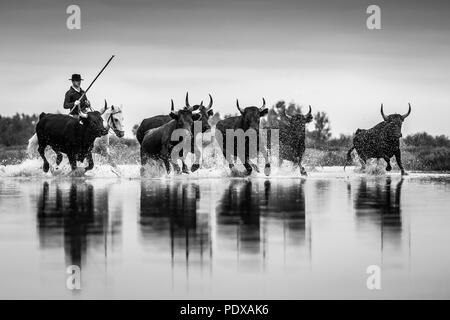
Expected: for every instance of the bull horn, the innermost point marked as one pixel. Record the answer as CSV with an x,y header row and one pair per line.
x,y
237,105
210,102
409,111
382,113
201,103
263,105
104,108
309,112
172,108
188,106
285,114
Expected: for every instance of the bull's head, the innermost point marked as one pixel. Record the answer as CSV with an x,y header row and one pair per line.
x,y
297,120
94,123
184,117
394,121
114,117
205,112
252,115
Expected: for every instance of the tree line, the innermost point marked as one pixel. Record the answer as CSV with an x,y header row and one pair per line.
x,y
17,129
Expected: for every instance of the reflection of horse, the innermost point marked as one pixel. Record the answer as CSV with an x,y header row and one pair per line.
x,y
112,115
74,217
170,210
380,202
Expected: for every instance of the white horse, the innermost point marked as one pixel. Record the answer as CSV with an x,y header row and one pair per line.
x,y
113,115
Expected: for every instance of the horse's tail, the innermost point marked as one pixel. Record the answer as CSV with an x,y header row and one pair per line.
x,y
32,146
349,157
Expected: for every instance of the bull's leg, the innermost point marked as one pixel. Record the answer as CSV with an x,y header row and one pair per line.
x,y
90,160
197,156
185,168
167,165
73,161
176,168
398,158
266,156
247,164
362,160
59,158
388,163
41,151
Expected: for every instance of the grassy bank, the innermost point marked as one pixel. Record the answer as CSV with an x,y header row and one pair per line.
x,y
126,151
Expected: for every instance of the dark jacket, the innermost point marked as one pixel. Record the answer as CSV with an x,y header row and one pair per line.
x,y
71,96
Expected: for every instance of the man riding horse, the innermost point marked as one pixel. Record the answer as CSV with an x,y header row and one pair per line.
x,y
75,99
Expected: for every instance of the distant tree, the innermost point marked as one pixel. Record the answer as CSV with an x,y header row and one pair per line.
x,y
16,130
134,130
322,128
423,139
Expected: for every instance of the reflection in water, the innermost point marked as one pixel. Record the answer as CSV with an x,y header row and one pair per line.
x,y
75,217
238,214
201,238
379,203
168,213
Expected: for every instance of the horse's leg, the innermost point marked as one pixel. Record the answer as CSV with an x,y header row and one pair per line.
x,y
302,169
144,160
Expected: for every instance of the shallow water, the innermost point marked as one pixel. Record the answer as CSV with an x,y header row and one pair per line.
x,y
216,237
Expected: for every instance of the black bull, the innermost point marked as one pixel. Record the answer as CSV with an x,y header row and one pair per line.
x,y
157,121
292,131
249,119
157,143
381,141
65,134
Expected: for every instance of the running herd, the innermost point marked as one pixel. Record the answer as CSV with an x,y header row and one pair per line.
x,y
75,136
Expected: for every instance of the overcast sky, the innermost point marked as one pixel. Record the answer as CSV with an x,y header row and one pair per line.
x,y
311,52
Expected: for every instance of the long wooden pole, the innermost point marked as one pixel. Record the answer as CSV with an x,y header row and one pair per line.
x,y
84,93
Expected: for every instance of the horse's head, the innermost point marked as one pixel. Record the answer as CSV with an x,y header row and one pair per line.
x,y
113,115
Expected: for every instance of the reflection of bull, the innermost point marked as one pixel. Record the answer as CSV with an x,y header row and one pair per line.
x,y
75,218
240,208
245,205
170,210
381,141
381,204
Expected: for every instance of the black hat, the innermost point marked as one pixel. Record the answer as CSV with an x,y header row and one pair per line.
x,y
76,77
